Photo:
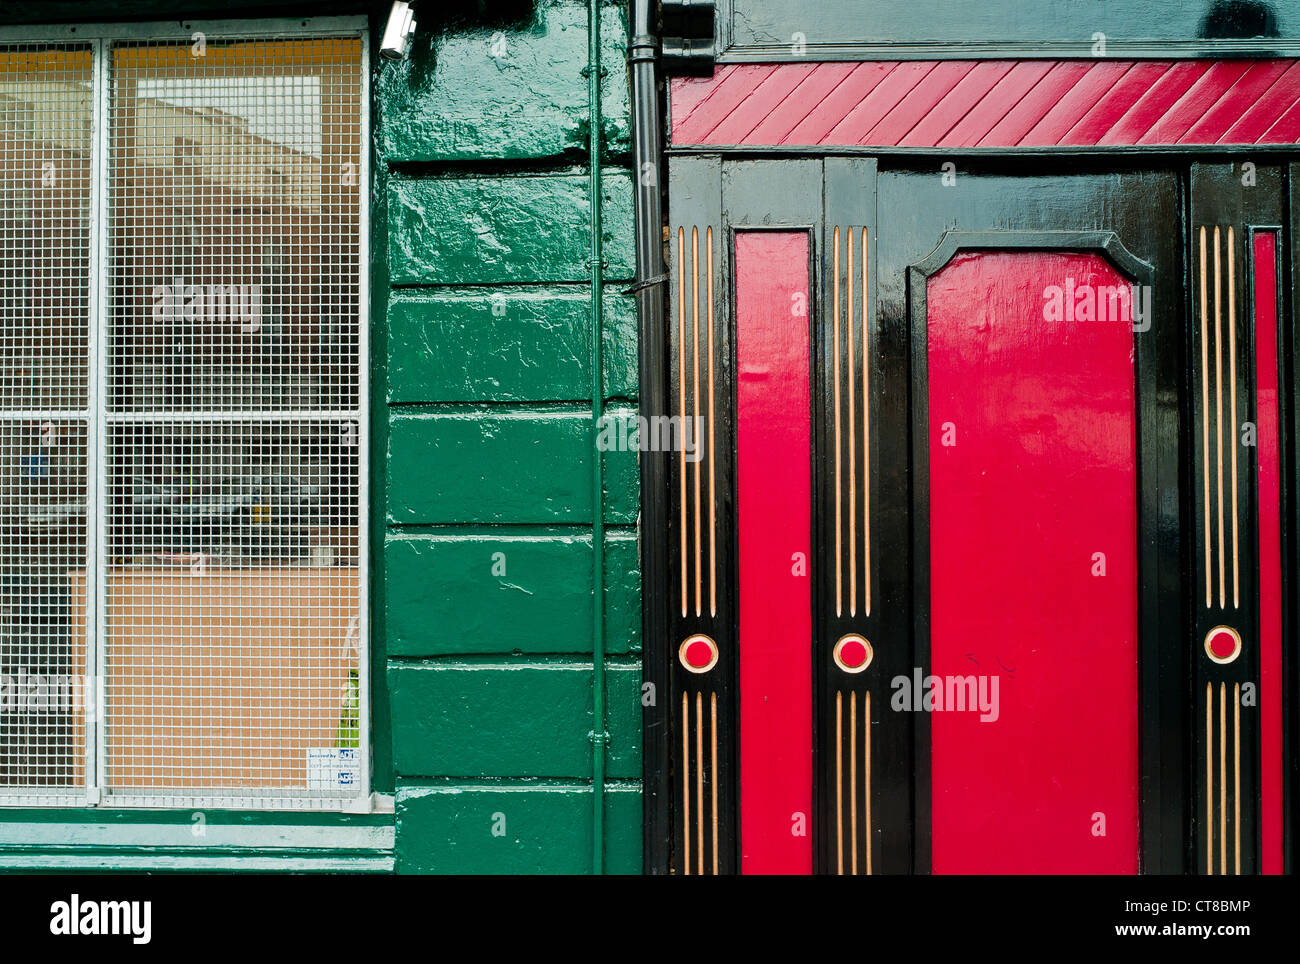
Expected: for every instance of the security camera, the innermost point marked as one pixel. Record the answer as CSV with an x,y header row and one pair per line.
x,y
398,31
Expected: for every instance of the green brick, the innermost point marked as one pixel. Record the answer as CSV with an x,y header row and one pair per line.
x,y
511,345
511,719
445,596
459,96
493,467
486,230
540,829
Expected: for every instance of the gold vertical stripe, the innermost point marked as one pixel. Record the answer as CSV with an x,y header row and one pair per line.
x,y
1205,414
681,390
713,521
1236,782
853,782
1218,417
695,289
713,778
866,445
1223,778
699,779
866,774
1232,408
1209,769
686,784
839,556
839,782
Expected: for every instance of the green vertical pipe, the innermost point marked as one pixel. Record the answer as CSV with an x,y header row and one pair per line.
x,y
598,735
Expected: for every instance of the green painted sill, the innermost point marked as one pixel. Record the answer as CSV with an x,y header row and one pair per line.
x,y
64,840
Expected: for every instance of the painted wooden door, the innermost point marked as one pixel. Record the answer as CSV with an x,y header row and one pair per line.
x,y
935,541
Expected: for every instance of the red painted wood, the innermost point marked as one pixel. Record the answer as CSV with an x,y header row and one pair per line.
x,y
1253,85
1264,113
969,91
1287,128
991,103
729,93
773,498
767,96
1270,549
1042,475
690,92
812,90
1112,108
816,127
1022,117
1148,110
882,98
1073,103
918,103
1200,97
995,105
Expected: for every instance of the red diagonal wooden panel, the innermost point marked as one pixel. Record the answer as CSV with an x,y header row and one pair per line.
x,y
879,101
823,116
1245,93
1155,102
969,91
1200,97
730,94
766,97
812,90
1286,130
1110,109
995,104
1263,114
1075,102
920,101
1022,117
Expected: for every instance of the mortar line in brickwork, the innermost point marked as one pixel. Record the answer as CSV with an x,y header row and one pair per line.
x,y
508,530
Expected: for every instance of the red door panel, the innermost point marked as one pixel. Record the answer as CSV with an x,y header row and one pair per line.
x,y
1033,542
773,494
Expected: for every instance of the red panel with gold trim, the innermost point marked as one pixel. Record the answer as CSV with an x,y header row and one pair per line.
x,y
774,491
1033,554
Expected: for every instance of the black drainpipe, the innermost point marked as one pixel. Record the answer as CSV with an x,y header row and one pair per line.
x,y
651,276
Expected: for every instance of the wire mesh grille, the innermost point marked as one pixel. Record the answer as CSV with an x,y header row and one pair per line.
x,y
45,165
232,393
204,572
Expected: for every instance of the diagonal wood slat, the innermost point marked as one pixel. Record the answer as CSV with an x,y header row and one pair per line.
x,y
993,104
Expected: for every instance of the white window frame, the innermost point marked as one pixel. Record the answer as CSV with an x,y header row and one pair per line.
x,y
99,37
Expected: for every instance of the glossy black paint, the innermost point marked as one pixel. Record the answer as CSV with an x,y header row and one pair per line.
x,y
906,29
651,281
1218,196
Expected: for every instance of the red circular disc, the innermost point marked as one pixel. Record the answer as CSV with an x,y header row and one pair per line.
x,y
699,654
1222,644
853,654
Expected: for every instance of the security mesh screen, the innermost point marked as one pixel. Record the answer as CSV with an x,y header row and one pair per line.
x,y
45,168
231,397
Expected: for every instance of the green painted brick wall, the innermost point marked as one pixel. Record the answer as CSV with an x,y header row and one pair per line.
x,y
502,466
516,828
451,592
506,345
518,94
489,230
482,391
490,717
